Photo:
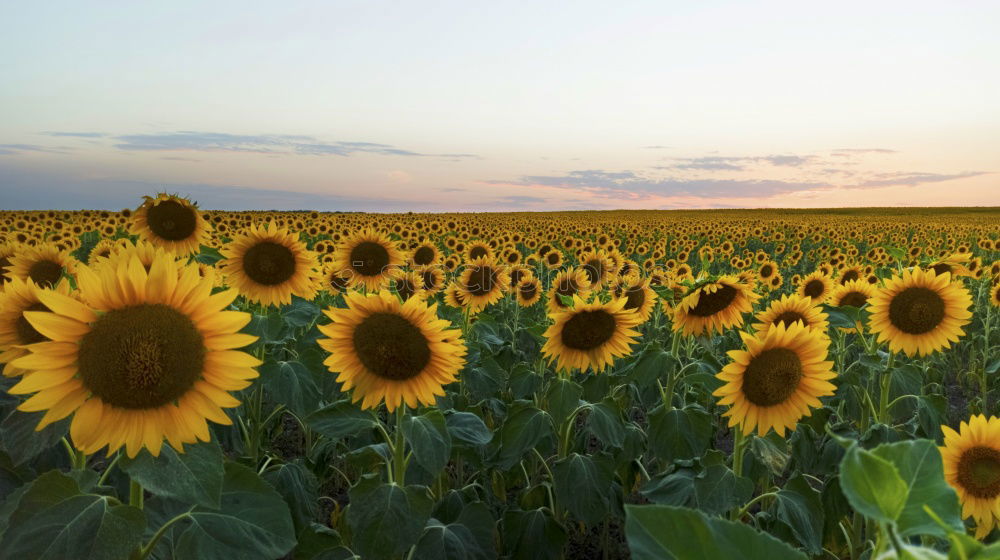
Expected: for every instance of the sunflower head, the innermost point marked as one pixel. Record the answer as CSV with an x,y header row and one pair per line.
x,y
370,256
171,222
484,282
776,379
567,284
391,351
714,307
143,357
791,309
919,312
528,291
816,286
44,264
639,297
971,458
590,335
16,332
269,264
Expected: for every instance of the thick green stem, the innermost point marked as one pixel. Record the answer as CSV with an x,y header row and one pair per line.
x,y
135,498
883,407
399,448
108,469
145,551
739,442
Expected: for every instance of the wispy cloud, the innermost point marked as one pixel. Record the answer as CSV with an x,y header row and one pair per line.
x,y
75,134
14,149
740,163
912,179
851,152
187,140
629,185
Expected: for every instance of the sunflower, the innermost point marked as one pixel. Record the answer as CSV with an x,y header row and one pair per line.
x,y
954,263
145,251
143,357
391,351
639,297
767,270
519,272
816,286
16,297
553,259
478,250
775,381
850,274
528,291
425,254
590,335
568,283
714,307
598,268
7,251
407,284
370,256
171,222
790,309
995,295
269,264
44,264
455,296
971,458
432,277
483,282
853,293
920,312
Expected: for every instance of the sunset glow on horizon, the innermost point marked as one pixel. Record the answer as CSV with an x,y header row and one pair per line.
x,y
459,106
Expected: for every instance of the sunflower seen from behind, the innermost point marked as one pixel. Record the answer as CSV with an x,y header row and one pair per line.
x,y
268,264
919,312
776,380
171,222
384,350
589,336
142,358
971,458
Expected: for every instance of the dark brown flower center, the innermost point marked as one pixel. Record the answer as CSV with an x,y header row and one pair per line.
x,y
478,251
587,330
45,273
269,263
516,275
552,257
849,275
404,288
26,333
594,270
338,282
789,317
772,376
854,299
171,220
635,297
481,280
391,347
141,357
766,271
528,290
814,288
979,472
4,263
369,258
916,310
424,255
941,268
711,303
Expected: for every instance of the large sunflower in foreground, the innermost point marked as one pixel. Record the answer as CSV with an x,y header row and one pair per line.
x,y
269,264
16,297
370,257
919,312
788,310
391,351
590,335
44,264
971,458
714,307
146,357
775,381
171,222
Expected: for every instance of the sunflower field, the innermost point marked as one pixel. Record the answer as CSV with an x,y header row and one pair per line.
x,y
181,383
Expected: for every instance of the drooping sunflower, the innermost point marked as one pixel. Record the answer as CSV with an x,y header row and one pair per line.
x,y
370,256
775,381
919,312
714,307
639,297
484,283
816,286
390,351
589,336
16,297
790,309
171,222
44,264
971,458
528,291
268,264
141,358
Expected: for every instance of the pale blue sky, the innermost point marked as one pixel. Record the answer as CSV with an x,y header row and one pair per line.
x,y
519,105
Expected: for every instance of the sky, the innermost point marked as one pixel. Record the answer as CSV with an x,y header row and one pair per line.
x,y
499,106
